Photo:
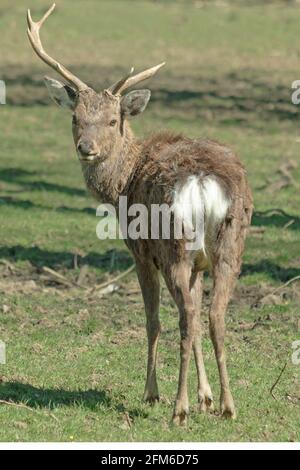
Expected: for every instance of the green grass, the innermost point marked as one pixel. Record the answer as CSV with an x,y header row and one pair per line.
x,y
78,361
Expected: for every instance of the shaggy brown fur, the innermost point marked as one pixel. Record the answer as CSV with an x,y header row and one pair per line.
x,y
147,171
148,175
114,163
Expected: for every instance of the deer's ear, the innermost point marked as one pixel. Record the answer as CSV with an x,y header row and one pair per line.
x,y
62,94
135,102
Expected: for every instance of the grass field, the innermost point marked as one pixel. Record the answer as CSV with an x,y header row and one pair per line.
x,y
76,361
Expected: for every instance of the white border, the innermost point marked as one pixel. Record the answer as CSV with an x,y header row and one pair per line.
x,y
149,446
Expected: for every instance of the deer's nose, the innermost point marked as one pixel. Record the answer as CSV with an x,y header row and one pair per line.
x,y
85,148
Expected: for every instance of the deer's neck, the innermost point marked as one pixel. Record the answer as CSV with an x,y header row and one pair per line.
x,y
109,179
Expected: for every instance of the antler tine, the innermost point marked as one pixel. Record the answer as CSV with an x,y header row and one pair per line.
x,y
42,21
129,81
33,32
117,86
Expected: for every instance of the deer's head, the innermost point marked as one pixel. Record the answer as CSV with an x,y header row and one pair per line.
x,y
99,119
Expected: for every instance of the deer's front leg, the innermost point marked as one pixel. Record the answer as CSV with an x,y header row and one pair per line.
x,y
149,281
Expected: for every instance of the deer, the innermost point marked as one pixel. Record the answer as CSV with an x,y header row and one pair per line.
x,y
175,170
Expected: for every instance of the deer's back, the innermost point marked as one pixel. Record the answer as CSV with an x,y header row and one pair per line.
x,y
170,160
202,174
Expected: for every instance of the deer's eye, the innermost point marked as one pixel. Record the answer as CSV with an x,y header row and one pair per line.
x,y
113,122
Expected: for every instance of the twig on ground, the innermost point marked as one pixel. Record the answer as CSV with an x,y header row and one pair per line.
x,y
288,224
108,290
17,405
22,405
82,274
114,280
9,265
277,381
60,278
54,417
294,279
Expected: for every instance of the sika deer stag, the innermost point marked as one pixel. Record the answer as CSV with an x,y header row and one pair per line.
x,y
167,169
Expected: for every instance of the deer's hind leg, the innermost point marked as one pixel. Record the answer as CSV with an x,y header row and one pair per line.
x,y
205,397
178,281
223,287
149,281
225,273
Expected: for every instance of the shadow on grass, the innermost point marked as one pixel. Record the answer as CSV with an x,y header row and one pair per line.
x,y
64,259
231,98
19,203
26,204
20,393
276,218
17,392
275,271
20,176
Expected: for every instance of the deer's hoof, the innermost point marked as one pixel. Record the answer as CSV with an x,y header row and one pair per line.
x,y
206,404
228,412
180,418
151,399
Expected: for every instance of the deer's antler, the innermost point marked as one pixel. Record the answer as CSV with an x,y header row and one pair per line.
x,y
129,80
33,32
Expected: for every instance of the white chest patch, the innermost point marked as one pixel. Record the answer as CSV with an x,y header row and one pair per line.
x,y
200,205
